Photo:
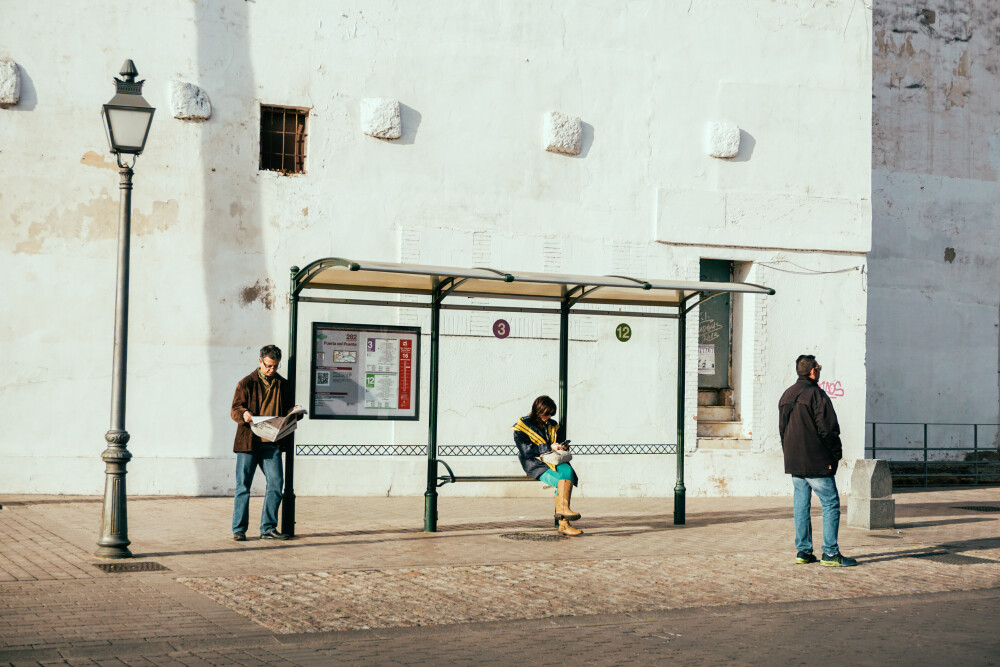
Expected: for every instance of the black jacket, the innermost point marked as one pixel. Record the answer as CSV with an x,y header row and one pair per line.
x,y
810,434
528,452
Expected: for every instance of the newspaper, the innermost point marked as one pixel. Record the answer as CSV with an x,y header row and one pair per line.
x,y
276,428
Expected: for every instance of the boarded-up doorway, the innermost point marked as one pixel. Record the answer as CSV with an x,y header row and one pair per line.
x,y
715,333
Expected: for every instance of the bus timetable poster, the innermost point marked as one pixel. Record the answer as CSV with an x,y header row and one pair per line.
x,y
364,371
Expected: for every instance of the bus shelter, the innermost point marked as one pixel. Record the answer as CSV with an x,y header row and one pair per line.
x,y
440,288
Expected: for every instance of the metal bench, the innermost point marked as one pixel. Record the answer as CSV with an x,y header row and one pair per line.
x,y
452,478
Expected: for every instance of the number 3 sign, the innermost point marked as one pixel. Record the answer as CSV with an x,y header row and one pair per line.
x,y
501,329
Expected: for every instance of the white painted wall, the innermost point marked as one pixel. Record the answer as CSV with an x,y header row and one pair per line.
x,y
934,309
467,183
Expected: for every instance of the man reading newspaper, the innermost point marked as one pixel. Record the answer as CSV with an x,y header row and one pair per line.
x,y
263,393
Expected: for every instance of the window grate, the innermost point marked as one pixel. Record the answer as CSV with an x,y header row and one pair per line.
x,y
950,558
120,568
282,139
534,537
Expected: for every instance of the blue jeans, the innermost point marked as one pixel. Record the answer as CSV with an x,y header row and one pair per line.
x,y
268,458
829,500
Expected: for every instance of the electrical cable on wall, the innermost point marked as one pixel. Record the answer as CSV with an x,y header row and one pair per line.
x,y
812,272
806,272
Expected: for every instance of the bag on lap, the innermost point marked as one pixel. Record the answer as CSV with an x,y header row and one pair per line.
x,y
555,458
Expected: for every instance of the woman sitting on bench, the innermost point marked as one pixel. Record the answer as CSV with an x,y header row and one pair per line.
x,y
538,434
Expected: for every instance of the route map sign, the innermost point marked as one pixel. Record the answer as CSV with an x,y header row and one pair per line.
x,y
362,371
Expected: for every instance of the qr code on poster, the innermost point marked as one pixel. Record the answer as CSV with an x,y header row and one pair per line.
x,y
322,378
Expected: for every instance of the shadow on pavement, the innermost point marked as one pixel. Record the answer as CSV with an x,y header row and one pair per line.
x,y
952,547
942,522
627,526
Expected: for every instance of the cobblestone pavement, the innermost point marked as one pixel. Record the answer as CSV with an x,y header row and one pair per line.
x,y
353,599
364,563
943,628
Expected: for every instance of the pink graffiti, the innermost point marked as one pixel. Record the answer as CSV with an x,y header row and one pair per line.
x,y
832,389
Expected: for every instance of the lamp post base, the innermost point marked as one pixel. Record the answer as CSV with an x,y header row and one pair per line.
x,y
114,517
114,551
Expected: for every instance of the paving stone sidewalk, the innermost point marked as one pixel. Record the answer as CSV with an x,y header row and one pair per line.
x,y
362,563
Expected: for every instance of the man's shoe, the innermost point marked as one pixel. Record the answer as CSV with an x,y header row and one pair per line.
x,y
802,558
838,560
273,534
240,536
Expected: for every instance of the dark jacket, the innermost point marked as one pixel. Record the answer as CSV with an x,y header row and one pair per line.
x,y
810,434
248,396
528,452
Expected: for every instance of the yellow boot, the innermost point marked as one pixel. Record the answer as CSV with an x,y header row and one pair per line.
x,y
566,528
563,510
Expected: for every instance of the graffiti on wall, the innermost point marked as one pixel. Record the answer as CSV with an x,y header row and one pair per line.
x,y
832,388
708,329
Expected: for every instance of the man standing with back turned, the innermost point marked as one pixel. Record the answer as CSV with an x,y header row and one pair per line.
x,y
263,393
810,439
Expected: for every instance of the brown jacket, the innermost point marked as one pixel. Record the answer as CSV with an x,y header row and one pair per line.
x,y
248,396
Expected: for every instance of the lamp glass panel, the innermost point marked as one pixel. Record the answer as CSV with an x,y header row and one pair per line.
x,y
128,127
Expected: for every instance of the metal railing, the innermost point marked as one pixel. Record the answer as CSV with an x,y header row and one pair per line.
x,y
472,450
982,468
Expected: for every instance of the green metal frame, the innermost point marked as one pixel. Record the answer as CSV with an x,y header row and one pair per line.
x,y
300,277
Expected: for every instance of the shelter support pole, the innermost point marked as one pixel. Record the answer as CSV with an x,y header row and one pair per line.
x,y
563,364
563,371
431,495
288,497
679,490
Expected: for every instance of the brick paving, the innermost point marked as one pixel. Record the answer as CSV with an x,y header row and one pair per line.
x,y
363,565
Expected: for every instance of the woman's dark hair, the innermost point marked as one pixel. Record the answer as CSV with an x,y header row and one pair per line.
x,y
543,404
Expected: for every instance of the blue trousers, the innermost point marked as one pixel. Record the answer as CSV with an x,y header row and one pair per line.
x,y
829,499
268,458
553,477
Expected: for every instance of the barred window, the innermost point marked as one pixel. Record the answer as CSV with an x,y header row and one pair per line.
x,y
283,139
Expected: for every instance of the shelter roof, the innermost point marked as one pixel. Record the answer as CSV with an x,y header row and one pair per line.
x,y
337,273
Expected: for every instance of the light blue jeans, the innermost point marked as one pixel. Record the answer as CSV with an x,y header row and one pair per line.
x,y
829,500
268,458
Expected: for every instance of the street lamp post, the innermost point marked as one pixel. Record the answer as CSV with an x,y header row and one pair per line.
x,y
127,118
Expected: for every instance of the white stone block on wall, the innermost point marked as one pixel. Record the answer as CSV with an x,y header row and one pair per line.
x,y
562,133
189,102
722,139
10,83
380,118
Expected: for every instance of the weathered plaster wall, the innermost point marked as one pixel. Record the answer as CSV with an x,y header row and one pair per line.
x,y
935,262
467,183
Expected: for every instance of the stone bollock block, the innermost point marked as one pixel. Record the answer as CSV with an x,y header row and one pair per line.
x,y
562,133
871,513
722,139
10,83
871,479
380,118
189,102
871,505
